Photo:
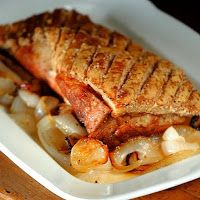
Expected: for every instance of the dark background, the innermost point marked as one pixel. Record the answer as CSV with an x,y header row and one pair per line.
x,y
187,11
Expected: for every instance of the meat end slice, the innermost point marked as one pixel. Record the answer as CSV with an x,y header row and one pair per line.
x,y
88,107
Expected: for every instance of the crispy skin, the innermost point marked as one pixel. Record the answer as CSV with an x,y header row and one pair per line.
x,y
116,88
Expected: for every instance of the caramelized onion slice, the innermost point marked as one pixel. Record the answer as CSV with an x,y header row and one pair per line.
x,y
88,154
7,73
190,134
45,105
171,147
53,141
7,86
6,99
64,108
104,167
29,98
172,135
147,149
49,134
180,138
68,124
25,121
18,106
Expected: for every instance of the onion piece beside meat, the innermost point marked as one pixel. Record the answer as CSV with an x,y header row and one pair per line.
x,y
181,138
104,167
29,98
172,135
64,108
88,154
6,100
7,86
190,134
53,141
48,133
147,151
7,73
171,147
45,105
68,124
25,121
18,106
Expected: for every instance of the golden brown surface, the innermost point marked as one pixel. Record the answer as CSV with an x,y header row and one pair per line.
x,y
128,78
17,185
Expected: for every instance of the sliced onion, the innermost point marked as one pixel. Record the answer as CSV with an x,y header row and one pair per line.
x,y
48,131
6,99
53,141
104,177
18,106
182,138
68,124
25,121
104,167
190,134
7,86
45,106
88,154
148,151
171,147
7,73
29,98
171,159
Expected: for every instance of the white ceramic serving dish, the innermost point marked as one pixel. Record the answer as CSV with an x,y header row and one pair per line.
x,y
154,30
